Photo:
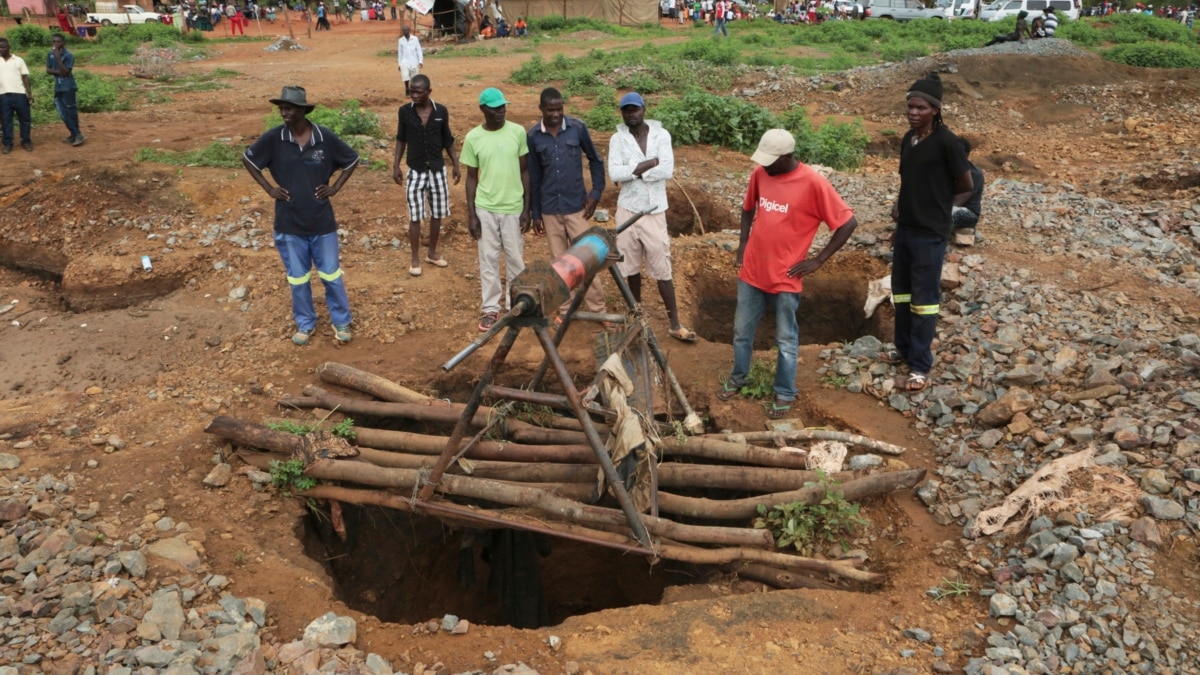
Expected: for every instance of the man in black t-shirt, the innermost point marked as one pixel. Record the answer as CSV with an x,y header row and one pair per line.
x,y
935,176
302,157
424,130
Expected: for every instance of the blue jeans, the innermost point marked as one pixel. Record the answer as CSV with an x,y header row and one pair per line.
x,y
299,255
68,111
916,292
719,28
17,104
751,305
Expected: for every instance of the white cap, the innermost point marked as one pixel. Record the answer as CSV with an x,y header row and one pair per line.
x,y
774,144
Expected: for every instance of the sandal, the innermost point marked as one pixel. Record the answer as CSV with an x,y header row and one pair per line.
x,y
684,335
726,393
415,271
776,411
916,382
487,321
891,356
440,262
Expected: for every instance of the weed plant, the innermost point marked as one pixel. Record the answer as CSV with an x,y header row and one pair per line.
x,y
95,94
805,527
215,154
289,475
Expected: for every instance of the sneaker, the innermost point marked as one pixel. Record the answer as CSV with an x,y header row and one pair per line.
x,y
487,321
342,333
78,141
302,337
27,146
69,139
7,149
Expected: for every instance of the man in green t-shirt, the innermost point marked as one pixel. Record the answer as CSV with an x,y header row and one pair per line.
x,y
497,198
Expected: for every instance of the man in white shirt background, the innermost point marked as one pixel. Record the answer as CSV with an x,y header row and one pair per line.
x,y
410,57
640,161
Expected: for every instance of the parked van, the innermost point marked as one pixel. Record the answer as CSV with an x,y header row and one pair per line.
x,y
967,9
1001,9
906,10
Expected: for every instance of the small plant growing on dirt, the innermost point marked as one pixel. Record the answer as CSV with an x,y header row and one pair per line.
x,y
956,588
834,381
289,475
760,382
804,526
345,429
290,427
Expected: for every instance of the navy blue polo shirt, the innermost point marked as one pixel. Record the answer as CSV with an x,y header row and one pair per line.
x,y
300,171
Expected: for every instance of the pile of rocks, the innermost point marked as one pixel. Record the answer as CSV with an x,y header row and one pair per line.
x,y
1028,371
81,592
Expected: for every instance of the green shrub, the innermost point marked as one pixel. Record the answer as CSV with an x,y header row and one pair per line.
x,y
603,115
1136,27
701,117
1082,33
26,36
538,70
715,52
95,94
903,50
840,145
348,120
1155,55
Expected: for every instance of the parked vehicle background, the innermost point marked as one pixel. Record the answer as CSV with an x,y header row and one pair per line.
x,y
906,10
1003,9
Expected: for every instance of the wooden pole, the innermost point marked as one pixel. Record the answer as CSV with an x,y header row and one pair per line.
x,y
526,496
737,509
287,20
811,435
368,383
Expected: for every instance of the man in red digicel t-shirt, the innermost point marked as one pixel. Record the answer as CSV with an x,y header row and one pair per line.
x,y
786,203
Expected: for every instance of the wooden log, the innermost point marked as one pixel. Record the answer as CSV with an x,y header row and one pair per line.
x,y
811,435
711,448
750,478
507,471
549,460
780,578
368,383
427,444
737,509
437,412
253,435
529,496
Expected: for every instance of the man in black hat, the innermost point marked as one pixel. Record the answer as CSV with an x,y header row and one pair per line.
x,y
302,157
935,176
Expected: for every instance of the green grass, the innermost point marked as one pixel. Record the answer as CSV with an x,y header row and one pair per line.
x,y
215,154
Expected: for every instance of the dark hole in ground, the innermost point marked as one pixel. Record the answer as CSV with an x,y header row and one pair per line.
x,y
831,310
406,569
1168,182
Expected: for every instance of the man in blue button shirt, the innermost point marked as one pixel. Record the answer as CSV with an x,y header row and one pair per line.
x,y
302,157
561,204
61,64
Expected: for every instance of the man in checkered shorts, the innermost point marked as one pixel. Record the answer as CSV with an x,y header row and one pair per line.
x,y
424,130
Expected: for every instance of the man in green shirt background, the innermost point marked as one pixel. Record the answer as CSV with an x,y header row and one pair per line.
x,y
497,198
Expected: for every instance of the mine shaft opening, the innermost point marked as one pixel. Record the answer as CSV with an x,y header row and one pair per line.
x,y
831,311
407,568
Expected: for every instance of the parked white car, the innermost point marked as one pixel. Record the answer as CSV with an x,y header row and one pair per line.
x,y
906,10
132,14
1002,9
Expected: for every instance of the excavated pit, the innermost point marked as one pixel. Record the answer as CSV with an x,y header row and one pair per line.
x,y
406,568
831,308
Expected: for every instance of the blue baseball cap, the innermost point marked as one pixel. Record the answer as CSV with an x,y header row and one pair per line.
x,y
492,98
632,98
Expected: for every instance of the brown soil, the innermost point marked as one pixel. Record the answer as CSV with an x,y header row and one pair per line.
x,y
154,371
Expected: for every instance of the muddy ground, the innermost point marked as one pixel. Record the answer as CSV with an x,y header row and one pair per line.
x,y
98,344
